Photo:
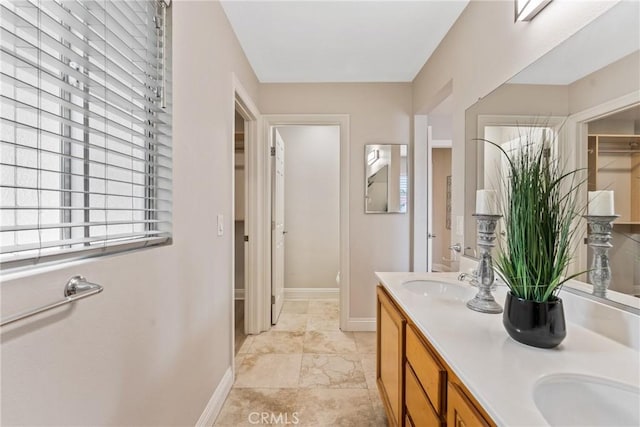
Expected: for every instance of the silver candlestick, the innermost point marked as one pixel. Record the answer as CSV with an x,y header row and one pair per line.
x,y
484,301
599,241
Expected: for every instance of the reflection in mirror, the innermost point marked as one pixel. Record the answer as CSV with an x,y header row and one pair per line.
x,y
574,92
386,178
614,164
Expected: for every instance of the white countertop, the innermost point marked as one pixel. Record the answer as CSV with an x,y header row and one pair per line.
x,y
498,371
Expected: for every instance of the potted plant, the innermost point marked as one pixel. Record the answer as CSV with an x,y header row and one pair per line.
x,y
539,206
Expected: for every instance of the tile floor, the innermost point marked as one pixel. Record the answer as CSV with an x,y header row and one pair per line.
x,y
305,372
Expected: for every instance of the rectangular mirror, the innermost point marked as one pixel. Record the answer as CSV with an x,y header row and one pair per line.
x,y
386,178
595,99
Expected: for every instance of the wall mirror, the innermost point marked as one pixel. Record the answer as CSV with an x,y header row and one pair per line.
x,y
386,183
585,93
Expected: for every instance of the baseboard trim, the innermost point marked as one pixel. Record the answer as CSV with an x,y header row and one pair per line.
x,y
311,293
238,294
361,324
214,405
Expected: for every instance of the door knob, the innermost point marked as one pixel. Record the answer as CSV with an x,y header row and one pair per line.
x,y
457,247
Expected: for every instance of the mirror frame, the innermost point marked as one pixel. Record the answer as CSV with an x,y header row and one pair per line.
x,y
367,163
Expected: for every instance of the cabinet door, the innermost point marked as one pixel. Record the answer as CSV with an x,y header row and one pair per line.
x,y
390,357
461,412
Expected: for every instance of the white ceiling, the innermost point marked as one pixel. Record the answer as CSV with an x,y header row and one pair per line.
x,y
340,41
611,37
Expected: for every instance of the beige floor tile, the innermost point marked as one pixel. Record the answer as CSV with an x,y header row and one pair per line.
x,y
295,307
379,413
291,322
268,371
245,407
323,342
305,372
365,342
277,342
332,371
244,348
369,368
335,407
318,322
326,307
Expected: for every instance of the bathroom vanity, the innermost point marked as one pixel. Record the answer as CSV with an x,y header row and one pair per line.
x,y
439,363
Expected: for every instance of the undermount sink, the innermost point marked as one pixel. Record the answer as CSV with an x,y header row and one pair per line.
x,y
582,400
440,290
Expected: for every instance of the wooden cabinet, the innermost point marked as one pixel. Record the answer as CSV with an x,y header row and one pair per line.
x,y
428,369
417,405
461,411
417,387
390,358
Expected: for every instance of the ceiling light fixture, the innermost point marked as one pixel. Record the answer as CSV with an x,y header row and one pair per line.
x,y
526,10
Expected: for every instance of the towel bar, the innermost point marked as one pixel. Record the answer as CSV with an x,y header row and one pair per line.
x,y
76,288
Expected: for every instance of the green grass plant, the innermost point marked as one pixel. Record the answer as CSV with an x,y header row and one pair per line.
x,y
539,206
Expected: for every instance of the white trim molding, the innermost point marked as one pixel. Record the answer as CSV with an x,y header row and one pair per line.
x,y
360,324
311,293
216,401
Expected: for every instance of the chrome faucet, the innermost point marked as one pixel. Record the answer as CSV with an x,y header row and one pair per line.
x,y
472,278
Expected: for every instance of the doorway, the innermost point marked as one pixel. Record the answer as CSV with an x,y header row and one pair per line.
x,y
240,183
442,258
269,124
613,162
306,213
433,227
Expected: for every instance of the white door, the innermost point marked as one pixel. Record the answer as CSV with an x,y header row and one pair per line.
x,y
277,227
430,233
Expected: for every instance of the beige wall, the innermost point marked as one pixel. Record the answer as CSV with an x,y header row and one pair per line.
x,y
610,82
152,348
312,206
484,49
379,114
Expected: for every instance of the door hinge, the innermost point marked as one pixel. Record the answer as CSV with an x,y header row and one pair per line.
x,y
273,299
273,225
273,151
246,238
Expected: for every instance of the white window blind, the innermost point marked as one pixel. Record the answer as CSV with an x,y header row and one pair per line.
x,y
85,139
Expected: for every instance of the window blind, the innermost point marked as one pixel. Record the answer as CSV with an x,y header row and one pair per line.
x,y
85,139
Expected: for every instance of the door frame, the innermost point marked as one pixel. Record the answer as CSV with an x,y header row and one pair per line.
x,y
242,102
577,131
262,288
420,193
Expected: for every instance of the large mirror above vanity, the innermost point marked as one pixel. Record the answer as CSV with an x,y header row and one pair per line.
x,y
584,95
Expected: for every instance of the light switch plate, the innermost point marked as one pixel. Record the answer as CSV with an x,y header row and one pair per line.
x,y
220,224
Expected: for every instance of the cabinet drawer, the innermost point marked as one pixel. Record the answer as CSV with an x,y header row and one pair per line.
x,y
428,370
418,407
461,412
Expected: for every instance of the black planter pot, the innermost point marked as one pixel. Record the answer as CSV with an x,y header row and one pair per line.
x,y
538,324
